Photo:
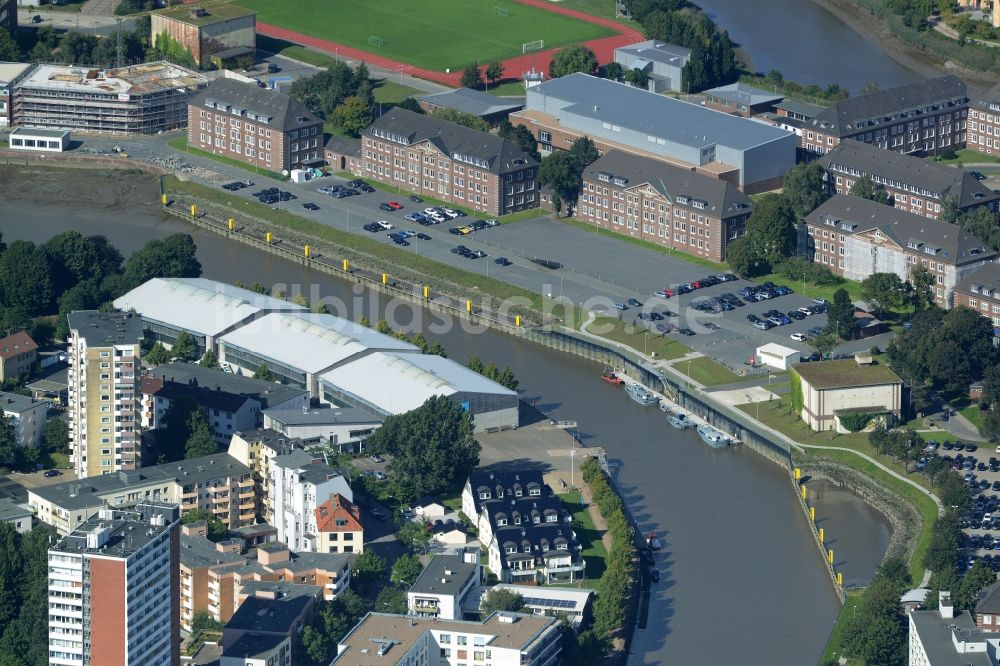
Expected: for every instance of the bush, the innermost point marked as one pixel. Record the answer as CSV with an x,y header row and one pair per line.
x,y
856,422
797,268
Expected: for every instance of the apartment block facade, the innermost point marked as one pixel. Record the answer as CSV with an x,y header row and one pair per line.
x,y
984,123
113,590
338,527
981,292
925,118
103,406
914,184
450,162
262,128
855,237
300,483
674,207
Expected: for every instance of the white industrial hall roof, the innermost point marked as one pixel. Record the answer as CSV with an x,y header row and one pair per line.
x,y
310,342
198,305
397,383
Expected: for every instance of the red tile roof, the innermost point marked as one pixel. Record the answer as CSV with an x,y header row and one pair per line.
x,y
16,344
337,507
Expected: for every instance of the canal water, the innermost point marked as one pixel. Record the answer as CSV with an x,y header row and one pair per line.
x,y
806,43
741,574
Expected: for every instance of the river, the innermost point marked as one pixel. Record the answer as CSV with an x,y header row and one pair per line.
x,y
806,43
741,574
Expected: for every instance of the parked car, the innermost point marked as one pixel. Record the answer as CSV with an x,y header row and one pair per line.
x,y
415,199
376,459
798,337
385,207
796,315
502,261
51,472
395,205
632,302
620,306
310,206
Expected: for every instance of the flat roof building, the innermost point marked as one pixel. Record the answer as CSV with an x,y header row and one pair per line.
x,y
205,309
139,99
943,637
10,74
343,427
752,155
833,389
741,100
490,108
220,31
42,140
17,515
444,587
385,383
662,63
545,599
28,417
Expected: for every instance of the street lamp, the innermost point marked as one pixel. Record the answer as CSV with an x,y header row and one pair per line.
x,y
572,466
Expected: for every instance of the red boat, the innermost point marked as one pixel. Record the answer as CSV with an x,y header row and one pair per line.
x,y
610,377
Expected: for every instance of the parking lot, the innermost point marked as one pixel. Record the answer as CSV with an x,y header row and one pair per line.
x,y
981,525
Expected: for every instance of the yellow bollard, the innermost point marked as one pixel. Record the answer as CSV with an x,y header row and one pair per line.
x,y
306,250
812,513
347,265
231,223
427,292
803,492
194,210
163,199
468,306
829,554
840,579
798,473
385,278
267,237
517,321
821,539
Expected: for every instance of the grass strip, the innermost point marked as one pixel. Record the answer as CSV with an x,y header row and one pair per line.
x,y
642,341
180,143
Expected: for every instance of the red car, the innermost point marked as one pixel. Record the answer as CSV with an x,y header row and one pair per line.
x,y
395,205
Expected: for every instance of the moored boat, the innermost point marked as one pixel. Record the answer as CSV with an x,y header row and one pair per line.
x,y
641,395
712,437
611,377
681,421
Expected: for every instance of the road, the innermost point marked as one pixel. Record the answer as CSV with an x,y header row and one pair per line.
x,y
98,24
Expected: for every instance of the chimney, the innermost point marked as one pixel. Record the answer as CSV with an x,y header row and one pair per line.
x,y
945,605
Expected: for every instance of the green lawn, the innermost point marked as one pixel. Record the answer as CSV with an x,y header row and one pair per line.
x,y
594,554
390,92
967,156
584,226
974,414
641,340
434,34
509,88
811,289
707,372
832,652
59,460
180,143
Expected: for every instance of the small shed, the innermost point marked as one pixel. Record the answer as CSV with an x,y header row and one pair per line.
x,y
776,356
49,141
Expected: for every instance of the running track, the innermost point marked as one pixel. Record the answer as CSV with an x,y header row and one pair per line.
x,y
513,67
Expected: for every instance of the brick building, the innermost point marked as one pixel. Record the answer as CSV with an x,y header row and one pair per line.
x,y
222,30
856,237
984,123
262,128
740,99
664,204
449,162
981,292
926,117
916,185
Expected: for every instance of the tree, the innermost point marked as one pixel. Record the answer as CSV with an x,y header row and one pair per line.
x,y
874,633
500,599
11,451
55,436
184,348
584,152
576,58
771,228
743,260
884,291
637,77
406,570
804,187
157,355
895,569
475,364
410,104
461,118
840,318
368,568
216,528
960,350
201,440
391,599
866,188
950,211
415,535
76,258
26,279
869,88
978,577
494,72
472,77
614,71
433,447
9,50
263,372
437,349
559,171
824,343
202,621
354,116
209,360
922,283
173,256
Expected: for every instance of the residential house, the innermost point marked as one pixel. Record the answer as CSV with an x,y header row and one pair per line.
x,y
987,610
338,527
445,588
926,117
300,483
662,63
546,600
199,556
913,184
520,512
257,449
252,649
282,618
18,353
17,515
226,413
450,162
833,389
981,292
485,485
428,507
663,204
855,237
27,415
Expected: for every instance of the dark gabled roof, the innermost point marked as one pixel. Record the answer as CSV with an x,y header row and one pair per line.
x,y
866,112
467,100
16,344
940,179
985,278
205,397
989,600
524,507
722,199
853,215
991,96
497,155
543,540
271,108
343,145
265,392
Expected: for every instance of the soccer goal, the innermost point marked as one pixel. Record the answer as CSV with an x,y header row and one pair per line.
x,y
530,47
376,42
501,11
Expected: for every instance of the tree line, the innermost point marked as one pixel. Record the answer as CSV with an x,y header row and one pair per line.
x,y
24,605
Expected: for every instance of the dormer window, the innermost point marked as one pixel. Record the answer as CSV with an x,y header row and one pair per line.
x,y
535,492
974,289
501,522
510,550
551,518
603,175
913,245
620,181
499,494
527,547
517,493
484,496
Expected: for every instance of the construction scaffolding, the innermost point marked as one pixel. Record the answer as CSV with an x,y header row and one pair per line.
x,y
141,99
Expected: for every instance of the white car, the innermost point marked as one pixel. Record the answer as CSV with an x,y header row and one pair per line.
x,y
450,213
385,225
798,337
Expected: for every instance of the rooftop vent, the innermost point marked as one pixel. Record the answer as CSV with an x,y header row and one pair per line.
x,y
198,12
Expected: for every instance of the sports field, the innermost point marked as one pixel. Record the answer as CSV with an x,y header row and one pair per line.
x,y
433,34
